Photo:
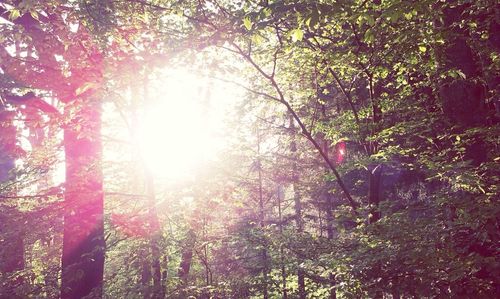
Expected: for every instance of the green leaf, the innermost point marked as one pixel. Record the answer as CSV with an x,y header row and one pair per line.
x,y
369,37
422,48
383,73
297,35
394,16
267,11
14,14
257,39
247,23
370,20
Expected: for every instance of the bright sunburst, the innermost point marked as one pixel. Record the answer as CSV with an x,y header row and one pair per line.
x,y
183,123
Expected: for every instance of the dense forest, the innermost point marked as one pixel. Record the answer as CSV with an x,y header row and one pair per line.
x,y
249,149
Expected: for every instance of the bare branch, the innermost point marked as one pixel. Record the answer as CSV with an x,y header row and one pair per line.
x,y
307,134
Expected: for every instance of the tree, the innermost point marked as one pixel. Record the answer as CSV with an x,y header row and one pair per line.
x,y
83,244
362,161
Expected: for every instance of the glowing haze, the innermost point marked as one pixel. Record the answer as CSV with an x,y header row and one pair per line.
x,y
183,123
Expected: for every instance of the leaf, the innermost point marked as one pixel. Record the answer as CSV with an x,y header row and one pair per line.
x,y
384,73
267,12
247,23
394,16
370,20
422,48
34,15
14,14
297,35
369,37
257,39
86,86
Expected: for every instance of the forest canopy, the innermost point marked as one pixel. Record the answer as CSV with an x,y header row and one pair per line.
x,y
249,149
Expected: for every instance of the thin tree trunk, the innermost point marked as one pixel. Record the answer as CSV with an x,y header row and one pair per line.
x,y
374,193
155,235
11,237
330,235
145,273
300,229
187,257
284,290
186,260
164,276
265,268
83,241
375,173
298,209
151,277
11,251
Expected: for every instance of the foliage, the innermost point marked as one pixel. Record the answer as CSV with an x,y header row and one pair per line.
x,y
362,161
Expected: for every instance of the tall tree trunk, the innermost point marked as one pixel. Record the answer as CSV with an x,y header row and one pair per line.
x,y
164,275
298,208
284,290
11,252
151,274
300,229
155,235
187,256
145,272
374,180
265,265
83,241
375,172
463,98
330,230
11,237
330,235
186,260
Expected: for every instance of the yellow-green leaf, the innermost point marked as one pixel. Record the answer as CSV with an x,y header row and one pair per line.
x,y
14,14
247,23
297,35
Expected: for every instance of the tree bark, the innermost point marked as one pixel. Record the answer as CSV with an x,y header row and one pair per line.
x,y
264,255
11,236
155,235
300,229
265,268
83,241
284,290
374,193
462,98
187,257
298,209
330,235
11,240
145,272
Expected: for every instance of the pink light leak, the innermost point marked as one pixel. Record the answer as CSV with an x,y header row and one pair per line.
x,y
340,152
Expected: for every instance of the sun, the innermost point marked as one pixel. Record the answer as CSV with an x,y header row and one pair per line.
x,y
182,126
